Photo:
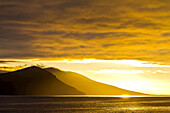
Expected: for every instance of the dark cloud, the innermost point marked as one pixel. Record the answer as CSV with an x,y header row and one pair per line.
x,y
166,34
6,61
108,45
109,29
91,36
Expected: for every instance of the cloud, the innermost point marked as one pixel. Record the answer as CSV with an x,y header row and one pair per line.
x,y
3,61
166,34
71,29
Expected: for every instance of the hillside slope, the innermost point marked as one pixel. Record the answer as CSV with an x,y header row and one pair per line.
x,y
87,85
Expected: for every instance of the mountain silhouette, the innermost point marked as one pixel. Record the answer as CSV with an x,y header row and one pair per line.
x,y
34,81
87,85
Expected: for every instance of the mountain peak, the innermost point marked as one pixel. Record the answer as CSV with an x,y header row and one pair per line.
x,y
34,81
33,67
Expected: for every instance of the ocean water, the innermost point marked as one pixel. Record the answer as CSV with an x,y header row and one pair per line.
x,y
27,104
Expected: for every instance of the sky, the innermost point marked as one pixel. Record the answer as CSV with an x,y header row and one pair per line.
x,y
105,31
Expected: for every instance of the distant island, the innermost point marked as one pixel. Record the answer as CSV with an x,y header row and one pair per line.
x,y
52,81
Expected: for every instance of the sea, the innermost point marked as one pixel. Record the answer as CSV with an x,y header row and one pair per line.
x,y
54,104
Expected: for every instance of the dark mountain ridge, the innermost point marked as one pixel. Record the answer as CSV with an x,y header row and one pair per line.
x,y
34,81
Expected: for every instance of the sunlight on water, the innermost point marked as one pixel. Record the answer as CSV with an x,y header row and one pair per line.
x,y
101,96
125,96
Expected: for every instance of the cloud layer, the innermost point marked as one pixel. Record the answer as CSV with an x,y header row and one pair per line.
x,y
76,29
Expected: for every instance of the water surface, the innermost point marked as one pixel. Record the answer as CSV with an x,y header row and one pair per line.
x,y
27,104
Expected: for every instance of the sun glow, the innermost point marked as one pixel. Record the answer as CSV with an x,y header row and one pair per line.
x,y
125,96
133,63
117,71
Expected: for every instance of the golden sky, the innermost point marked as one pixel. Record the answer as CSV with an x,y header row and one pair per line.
x,y
107,30
102,29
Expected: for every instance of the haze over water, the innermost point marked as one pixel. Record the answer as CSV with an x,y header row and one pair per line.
x,y
25,104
